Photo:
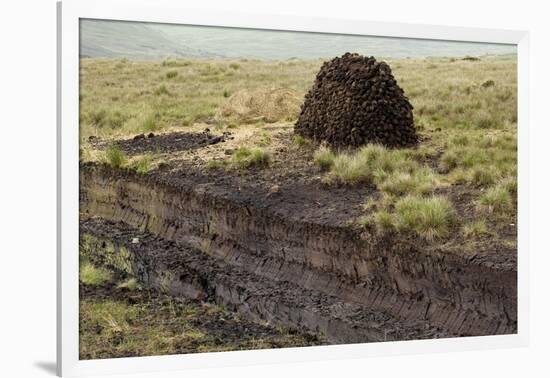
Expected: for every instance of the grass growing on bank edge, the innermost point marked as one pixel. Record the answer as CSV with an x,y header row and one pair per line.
x,y
429,217
92,275
243,158
392,171
115,157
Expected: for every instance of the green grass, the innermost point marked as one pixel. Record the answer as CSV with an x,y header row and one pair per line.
x,y
130,284
116,158
244,157
162,90
466,114
91,275
481,159
457,97
265,139
430,217
300,141
384,220
497,200
196,92
369,164
171,74
475,229
120,331
215,164
145,163
419,181
150,124
324,158
395,172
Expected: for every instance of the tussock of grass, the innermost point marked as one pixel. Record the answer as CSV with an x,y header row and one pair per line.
x,y
430,217
171,74
300,140
145,163
150,125
420,181
349,169
215,164
91,275
371,163
474,229
324,158
384,220
175,63
497,200
510,184
480,159
265,139
484,176
116,158
392,171
162,90
97,117
130,284
100,119
244,157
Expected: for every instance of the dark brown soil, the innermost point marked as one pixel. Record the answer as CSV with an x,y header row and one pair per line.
x,y
164,143
184,272
276,243
291,187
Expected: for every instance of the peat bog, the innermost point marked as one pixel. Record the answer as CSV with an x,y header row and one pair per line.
x,y
220,228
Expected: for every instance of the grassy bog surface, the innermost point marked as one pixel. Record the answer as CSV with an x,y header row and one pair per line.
x,y
465,112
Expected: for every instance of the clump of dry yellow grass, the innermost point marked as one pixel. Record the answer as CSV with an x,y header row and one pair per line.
x,y
261,104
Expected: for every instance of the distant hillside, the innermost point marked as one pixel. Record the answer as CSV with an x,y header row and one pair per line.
x,y
272,44
138,40
132,40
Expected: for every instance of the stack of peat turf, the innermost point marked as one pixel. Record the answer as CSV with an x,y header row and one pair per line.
x,y
355,100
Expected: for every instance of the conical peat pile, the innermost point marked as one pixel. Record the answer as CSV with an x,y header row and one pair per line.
x,y
355,100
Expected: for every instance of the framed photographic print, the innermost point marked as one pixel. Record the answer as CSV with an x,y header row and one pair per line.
x,y
241,189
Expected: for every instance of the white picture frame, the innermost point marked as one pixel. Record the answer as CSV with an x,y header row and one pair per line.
x,y
169,11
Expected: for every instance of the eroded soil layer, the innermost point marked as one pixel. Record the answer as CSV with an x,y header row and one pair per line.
x,y
299,244
179,270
